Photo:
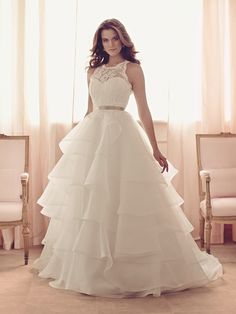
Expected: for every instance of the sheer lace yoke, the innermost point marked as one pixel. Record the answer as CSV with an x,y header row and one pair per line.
x,y
104,73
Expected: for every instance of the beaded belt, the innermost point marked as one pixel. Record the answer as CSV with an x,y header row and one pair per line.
x,y
110,108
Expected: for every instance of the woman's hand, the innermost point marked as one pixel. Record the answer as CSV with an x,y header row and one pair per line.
x,y
161,160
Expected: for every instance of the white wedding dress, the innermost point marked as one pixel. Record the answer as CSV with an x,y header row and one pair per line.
x,y
116,227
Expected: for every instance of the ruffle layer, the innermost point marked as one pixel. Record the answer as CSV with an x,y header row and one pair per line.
x,y
139,276
116,224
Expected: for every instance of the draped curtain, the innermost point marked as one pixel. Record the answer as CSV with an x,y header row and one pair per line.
x,y
216,102
219,79
39,84
37,61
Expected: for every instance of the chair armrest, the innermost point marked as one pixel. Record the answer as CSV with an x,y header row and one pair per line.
x,y
24,177
206,179
204,173
24,182
25,198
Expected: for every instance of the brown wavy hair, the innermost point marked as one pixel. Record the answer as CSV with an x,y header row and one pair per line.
x,y
99,56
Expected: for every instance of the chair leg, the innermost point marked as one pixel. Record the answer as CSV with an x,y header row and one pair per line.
x,y
202,227
208,236
26,233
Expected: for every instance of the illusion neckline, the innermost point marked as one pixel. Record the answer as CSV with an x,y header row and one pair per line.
x,y
114,66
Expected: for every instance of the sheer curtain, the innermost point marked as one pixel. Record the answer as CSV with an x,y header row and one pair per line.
x,y
185,60
212,102
37,61
219,78
43,53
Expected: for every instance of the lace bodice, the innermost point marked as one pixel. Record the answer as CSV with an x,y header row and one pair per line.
x,y
109,86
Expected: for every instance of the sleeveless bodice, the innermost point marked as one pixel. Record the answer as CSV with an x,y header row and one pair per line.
x,y
109,86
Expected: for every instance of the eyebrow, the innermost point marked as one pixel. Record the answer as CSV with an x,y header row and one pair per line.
x,y
112,37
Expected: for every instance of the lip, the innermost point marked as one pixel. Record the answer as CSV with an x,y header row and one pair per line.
x,y
112,49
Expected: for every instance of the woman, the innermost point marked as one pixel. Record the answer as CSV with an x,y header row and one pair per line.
x,y
116,228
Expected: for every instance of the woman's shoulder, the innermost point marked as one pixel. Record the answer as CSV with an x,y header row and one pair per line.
x,y
133,65
90,72
134,69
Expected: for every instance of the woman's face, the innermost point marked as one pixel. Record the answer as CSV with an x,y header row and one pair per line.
x,y
111,42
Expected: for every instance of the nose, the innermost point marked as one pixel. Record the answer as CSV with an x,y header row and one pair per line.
x,y
110,43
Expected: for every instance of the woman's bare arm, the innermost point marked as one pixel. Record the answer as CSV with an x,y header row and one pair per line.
x,y
136,78
90,103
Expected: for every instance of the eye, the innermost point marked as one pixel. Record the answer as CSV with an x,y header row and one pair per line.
x,y
104,40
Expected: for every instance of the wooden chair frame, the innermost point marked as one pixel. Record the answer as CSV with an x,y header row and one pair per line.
x,y
24,196
203,176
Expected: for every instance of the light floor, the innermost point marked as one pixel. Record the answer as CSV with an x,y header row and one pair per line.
x,y
23,292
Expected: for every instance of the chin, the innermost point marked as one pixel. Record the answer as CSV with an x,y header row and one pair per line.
x,y
113,54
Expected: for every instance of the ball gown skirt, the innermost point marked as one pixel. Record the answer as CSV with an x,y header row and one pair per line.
x,y
116,226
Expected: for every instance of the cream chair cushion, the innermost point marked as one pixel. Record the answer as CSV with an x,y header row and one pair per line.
x,y
10,191
14,154
10,211
223,182
218,152
221,206
10,185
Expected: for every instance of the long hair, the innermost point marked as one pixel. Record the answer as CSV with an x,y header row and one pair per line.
x,y
99,56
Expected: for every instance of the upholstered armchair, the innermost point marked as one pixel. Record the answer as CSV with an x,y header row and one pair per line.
x,y
14,178
216,155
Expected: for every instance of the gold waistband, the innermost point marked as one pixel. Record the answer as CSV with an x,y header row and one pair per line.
x,y
110,108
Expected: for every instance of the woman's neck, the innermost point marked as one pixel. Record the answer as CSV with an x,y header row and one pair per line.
x,y
115,60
